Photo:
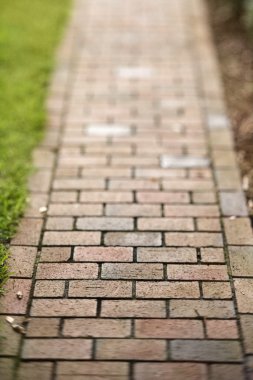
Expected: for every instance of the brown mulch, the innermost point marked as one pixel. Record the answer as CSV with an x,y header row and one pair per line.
x,y
235,51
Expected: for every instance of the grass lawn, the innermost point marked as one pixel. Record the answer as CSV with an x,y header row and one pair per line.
x,y
29,34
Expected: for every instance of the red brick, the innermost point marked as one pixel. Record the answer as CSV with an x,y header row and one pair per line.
x,y
72,238
133,308
197,272
100,288
100,328
204,197
10,304
78,184
82,161
55,254
221,329
167,255
66,271
63,308
131,349
212,255
59,223
162,197
57,349
64,196
29,232
188,184
159,173
103,254
166,224
37,370
191,210
105,224
169,329
132,210
226,372
21,261
132,271
217,290
197,308
43,327
197,239
106,196
243,291
133,239
208,224
167,289
166,371
238,231
133,184
74,209
92,370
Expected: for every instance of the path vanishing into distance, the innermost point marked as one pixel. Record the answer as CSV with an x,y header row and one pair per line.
x,y
134,260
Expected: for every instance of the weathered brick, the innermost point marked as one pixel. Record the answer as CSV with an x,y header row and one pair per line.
x,y
100,328
209,224
100,288
226,372
233,203
204,308
43,327
166,224
103,254
37,370
208,351
78,184
132,210
197,239
221,329
67,271
29,232
188,184
72,238
241,261
74,209
133,184
238,231
63,308
133,308
132,271
247,331
228,179
212,255
133,239
164,371
169,329
217,290
167,255
49,289
21,261
64,196
10,304
204,197
59,223
131,349
167,289
55,254
10,340
243,291
191,210
7,368
162,197
105,224
197,272
57,349
105,370
106,196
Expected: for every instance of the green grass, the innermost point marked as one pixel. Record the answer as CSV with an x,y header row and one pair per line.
x,y
29,34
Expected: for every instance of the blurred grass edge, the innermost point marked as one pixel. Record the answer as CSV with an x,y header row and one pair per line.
x,y
30,32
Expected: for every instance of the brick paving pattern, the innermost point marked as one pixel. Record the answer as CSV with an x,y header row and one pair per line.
x,y
142,266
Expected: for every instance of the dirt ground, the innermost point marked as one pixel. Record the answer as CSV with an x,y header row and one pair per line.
x,y
235,51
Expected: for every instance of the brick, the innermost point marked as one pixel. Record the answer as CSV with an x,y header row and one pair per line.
x,y
226,372
167,255
133,239
191,210
204,197
184,161
131,349
107,172
133,184
10,304
132,271
221,329
238,231
35,201
82,161
228,179
105,224
133,309
29,231
10,340
197,272
212,255
134,161
162,197
241,261
188,184
100,288
7,368
37,370
72,238
21,261
57,349
67,271
166,224
49,289
92,369
66,173
132,210
209,224
63,308
103,254
209,351
98,328
55,254
74,209
159,173
43,327
169,329
197,239
40,181
59,223
216,290
107,130
64,196
243,293
204,308
106,196
166,289
165,371
247,332
233,203
78,184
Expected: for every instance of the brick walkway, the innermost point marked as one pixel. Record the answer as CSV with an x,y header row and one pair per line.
x,y
128,275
